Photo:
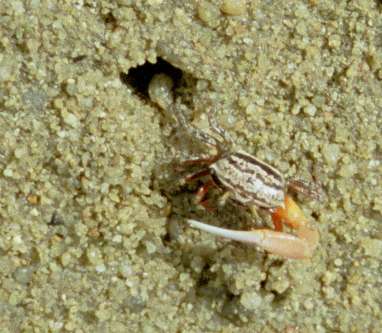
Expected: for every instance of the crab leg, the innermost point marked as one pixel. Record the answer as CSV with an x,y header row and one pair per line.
x,y
203,190
310,190
192,130
280,243
200,161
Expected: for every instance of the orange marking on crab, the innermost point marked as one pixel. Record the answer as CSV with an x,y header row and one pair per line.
x,y
291,214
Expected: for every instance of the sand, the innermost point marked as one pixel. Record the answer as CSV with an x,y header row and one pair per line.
x,y
92,232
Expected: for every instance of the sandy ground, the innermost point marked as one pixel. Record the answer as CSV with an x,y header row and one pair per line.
x,y
92,233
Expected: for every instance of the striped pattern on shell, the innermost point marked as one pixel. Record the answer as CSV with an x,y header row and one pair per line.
x,y
250,181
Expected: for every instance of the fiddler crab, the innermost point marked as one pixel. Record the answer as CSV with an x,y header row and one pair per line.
x,y
252,183
247,181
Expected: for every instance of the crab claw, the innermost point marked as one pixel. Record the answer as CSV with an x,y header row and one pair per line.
x,y
291,214
279,243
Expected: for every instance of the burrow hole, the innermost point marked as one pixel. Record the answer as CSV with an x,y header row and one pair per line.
x,y
138,78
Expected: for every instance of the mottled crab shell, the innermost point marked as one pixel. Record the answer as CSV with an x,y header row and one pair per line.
x,y
249,180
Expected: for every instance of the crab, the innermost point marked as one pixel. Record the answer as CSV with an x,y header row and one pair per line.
x,y
254,184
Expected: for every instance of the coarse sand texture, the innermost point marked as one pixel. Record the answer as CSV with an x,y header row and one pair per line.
x,y
93,231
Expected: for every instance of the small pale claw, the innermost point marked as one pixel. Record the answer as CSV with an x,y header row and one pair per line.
x,y
280,243
291,214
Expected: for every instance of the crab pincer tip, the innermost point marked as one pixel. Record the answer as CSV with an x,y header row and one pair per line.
x,y
241,236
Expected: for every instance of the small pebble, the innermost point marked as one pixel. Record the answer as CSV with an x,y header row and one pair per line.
x,y
233,7
71,87
208,13
250,300
308,305
310,110
33,199
338,262
8,172
23,275
334,41
372,247
331,153
70,119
